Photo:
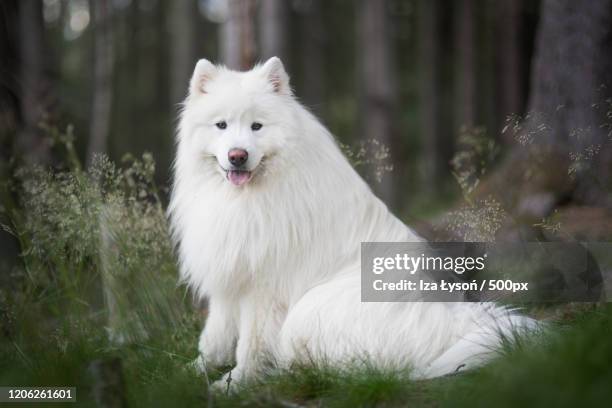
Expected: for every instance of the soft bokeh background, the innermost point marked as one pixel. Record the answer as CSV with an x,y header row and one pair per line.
x,y
475,120
406,73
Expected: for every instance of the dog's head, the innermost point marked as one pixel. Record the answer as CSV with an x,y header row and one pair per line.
x,y
236,121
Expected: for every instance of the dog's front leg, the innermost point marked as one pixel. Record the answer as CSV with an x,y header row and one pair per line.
x,y
258,330
218,339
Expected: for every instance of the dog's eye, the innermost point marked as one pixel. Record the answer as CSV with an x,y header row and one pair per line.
x,y
256,126
221,125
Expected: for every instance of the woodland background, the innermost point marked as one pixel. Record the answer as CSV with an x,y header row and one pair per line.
x,y
475,120
411,75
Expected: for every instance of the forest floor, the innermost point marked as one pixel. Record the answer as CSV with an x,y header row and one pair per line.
x,y
570,367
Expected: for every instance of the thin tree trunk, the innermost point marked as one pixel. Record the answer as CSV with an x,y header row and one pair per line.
x,y
35,96
273,33
162,54
182,46
510,54
379,91
465,23
182,21
103,75
434,160
313,35
10,116
238,35
488,93
10,104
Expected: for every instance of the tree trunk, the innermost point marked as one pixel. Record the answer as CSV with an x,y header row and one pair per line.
x,y
162,54
436,147
510,54
571,83
10,105
273,33
465,92
313,35
182,47
487,77
379,91
238,35
564,149
10,121
35,95
103,76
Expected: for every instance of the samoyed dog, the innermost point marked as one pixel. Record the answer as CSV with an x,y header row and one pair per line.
x,y
268,217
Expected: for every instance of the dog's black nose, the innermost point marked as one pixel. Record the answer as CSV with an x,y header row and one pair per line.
x,y
237,157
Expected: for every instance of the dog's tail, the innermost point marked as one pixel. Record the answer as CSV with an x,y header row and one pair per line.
x,y
504,330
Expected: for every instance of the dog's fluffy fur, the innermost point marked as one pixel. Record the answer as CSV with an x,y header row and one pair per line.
x,y
277,253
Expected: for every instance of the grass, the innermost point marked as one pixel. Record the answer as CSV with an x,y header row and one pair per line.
x,y
96,287
570,368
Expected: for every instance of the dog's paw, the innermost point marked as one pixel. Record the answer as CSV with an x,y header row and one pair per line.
x,y
216,352
227,385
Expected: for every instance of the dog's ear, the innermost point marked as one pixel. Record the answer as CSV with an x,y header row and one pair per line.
x,y
204,71
276,75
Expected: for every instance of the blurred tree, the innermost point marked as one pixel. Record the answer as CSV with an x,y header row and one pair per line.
x,y
132,84
510,58
312,37
377,80
273,33
237,35
161,53
182,22
26,97
437,141
571,86
10,106
102,76
488,77
465,79
36,99
563,155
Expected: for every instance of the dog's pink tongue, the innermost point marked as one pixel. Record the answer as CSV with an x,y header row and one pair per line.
x,y
238,177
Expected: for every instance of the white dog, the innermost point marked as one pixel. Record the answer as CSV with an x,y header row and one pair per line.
x,y
269,216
